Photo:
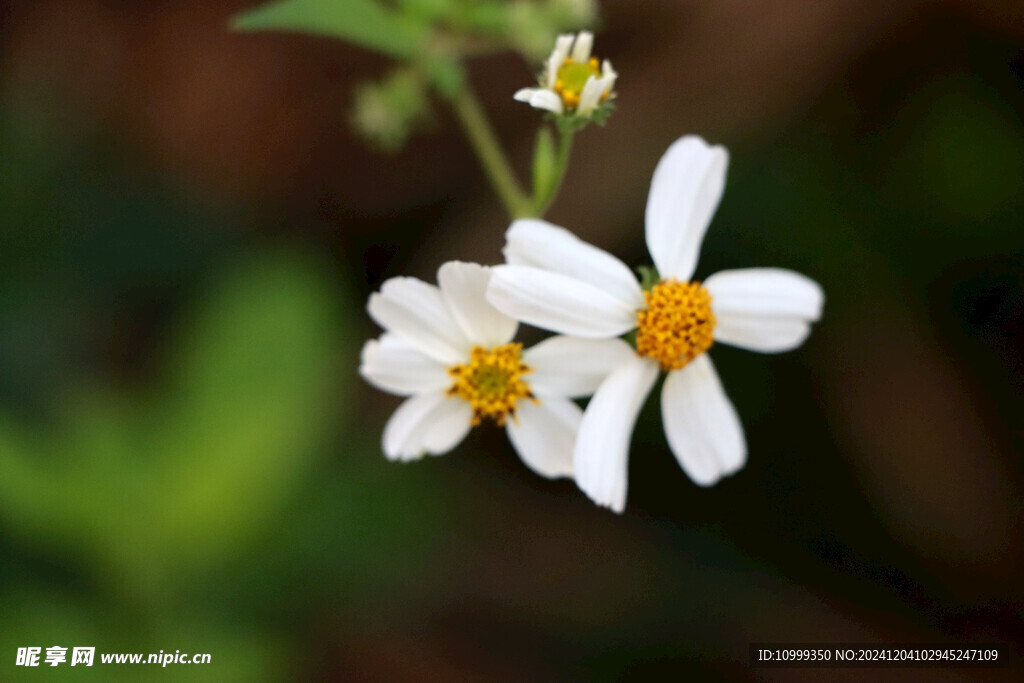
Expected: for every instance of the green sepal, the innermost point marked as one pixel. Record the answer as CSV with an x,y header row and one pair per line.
x,y
630,338
573,122
648,277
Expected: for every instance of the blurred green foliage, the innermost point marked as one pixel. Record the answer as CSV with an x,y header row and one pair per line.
x,y
430,38
184,462
388,111
152,491
171,509
366,23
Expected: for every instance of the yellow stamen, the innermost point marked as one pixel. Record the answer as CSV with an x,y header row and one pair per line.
x,y
677,324
492,382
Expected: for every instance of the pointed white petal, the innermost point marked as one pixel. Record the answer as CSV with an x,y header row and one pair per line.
x,y
415,311
524,94
558,302
701,424
540,98
581,49
544,435
392,365
685,191
602,446
573,367
557,58
545,99
426,423
464,287
610,73
537,243
590,97
764,309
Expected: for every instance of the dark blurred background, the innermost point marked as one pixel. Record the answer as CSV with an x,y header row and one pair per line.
x,y
188,459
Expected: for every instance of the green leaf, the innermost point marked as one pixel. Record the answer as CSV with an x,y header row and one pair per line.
x,y
429,9
255,389
366,23
152,487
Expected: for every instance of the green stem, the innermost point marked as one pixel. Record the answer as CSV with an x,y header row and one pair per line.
x,y
489,152
542,203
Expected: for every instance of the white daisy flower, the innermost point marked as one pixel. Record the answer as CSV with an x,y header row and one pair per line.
x,y
452,354
573,81
556,281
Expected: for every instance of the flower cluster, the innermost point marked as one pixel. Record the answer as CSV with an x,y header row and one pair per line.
x,y
449,348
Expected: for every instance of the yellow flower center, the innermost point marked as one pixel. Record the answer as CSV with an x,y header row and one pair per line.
x,y
677,324
571,78
492,382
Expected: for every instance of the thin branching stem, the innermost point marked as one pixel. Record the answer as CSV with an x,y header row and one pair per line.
x,y
490,154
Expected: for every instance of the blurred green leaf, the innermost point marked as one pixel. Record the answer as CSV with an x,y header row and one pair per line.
x,y
366,23
429,9
254,382
149,487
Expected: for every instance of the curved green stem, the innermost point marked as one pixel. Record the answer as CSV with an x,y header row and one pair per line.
x,y
490,154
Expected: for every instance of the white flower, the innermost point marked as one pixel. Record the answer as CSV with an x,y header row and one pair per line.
x,y
450,352
558,282
573,81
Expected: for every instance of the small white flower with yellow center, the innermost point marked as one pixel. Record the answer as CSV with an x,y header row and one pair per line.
x,y
558,282
573,81
452,354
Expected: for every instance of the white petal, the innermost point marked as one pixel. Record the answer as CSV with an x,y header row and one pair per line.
x,y
590,97
537,243
558,302
766,335
764,309
602,446
581,49
447,426
416,312
685,191
701,424
569,366
557,58
464,286
540,98
392,365
426,423
524,94
608,72
544,435
765,292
